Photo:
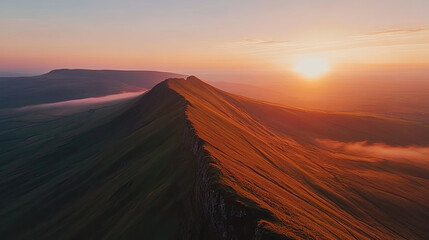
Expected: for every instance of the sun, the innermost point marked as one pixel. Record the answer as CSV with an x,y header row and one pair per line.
x,y
312,67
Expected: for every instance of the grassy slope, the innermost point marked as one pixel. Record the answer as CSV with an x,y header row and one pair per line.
x,y
128,178
266,154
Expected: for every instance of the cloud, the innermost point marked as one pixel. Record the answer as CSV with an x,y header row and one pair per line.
x,y
378,150
83,101
271,42
389,38
256,42
400,31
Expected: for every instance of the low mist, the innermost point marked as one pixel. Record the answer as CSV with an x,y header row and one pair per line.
x,y
379,150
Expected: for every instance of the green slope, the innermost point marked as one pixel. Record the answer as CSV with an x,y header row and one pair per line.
x,y
128,178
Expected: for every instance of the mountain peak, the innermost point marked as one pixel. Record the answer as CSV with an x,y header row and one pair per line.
x,y
188,80
193,78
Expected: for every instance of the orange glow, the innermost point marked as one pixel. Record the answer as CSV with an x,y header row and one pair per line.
x,y
312,67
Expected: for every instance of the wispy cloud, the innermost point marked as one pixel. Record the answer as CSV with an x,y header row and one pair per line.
x,y
393,37
400,31
271,42
83,101
378,150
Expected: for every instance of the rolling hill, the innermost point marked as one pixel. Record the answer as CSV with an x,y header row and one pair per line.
x,y
68,84
189,161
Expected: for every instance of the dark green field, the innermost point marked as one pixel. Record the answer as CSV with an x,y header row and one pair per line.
x,y
114,172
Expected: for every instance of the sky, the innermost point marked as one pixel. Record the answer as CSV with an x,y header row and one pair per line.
x,y
211,36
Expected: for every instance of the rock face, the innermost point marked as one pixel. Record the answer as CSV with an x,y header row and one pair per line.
x,y
218,214
221,215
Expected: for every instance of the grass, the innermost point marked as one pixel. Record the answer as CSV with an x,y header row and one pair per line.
x,y
127,178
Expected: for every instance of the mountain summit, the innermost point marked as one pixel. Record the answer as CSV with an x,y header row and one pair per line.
x,y
189,161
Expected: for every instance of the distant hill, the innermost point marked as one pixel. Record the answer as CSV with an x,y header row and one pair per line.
x,y
189,161
68,84
12,74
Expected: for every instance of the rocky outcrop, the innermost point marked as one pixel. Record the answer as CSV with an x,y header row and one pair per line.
x,y
220,213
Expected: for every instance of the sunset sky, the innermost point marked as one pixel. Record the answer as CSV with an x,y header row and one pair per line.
x,y
225,35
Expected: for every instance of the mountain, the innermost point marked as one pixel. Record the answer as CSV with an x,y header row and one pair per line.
x,y
189,161
68,84
12,74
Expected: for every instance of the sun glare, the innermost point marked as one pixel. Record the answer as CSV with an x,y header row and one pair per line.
x,y
312,67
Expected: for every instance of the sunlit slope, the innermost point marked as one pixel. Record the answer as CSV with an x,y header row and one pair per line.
x,y
267,155
131,178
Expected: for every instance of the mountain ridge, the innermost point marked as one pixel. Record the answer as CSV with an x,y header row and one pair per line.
x,y
188,161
